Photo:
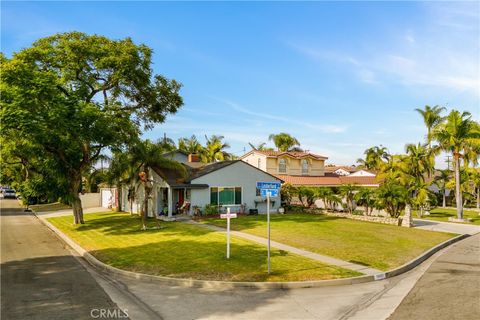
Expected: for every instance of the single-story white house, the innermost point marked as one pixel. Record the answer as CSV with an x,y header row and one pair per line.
x,y
231,184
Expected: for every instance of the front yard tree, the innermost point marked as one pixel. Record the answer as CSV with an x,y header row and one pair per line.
x,y
74,95
458,133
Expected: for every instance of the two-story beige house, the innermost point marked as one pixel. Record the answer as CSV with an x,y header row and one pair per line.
x,y
304,169
287,163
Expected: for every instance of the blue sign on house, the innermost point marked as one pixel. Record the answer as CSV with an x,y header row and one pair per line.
x,y
269,185
269,192
269,188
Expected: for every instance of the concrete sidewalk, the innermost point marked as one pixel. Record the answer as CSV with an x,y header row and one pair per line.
x,y
300,252
450,227
66,212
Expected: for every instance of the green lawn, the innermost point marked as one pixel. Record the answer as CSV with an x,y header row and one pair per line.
x,y
376,245
187,251
442,214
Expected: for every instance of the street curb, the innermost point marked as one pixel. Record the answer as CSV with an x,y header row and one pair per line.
x,y
225,285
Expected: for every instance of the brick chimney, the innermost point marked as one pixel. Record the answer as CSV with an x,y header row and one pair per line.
x,y
193,157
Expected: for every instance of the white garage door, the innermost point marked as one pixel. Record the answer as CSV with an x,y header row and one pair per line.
x,y
107,198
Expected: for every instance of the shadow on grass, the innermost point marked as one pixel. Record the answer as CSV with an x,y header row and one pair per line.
x,y
125,224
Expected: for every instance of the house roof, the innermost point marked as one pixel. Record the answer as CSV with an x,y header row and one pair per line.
x,y
351,169
328,180
292,154
209,168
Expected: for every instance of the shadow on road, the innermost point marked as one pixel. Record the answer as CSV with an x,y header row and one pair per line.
x,y
49,288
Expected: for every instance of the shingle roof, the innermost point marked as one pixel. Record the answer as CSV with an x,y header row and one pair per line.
x,y
208,168
293,154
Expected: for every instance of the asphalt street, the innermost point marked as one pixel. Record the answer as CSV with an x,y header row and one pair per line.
x,y
40,279
449,289
43,279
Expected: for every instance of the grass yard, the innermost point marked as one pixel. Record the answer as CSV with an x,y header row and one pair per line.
x,y
375,245
187,251
49,207
442,214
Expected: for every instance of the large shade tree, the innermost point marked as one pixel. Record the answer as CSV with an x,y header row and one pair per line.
x,y
73,95
455,135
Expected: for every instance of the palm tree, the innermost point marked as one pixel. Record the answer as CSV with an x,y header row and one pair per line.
x,y
375,158
140,159
431,118
392,197
474,177
412,170
347,191
124,170
324,193
366,197
215,150
441,182
283,141
458,133
190,145
260,147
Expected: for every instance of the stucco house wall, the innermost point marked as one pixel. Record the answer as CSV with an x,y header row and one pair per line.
x,y
294,166
238,174
254,158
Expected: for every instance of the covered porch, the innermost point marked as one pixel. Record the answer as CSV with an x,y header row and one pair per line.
x,y
174,200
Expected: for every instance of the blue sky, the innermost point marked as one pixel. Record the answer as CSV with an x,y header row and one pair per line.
x,y
339,76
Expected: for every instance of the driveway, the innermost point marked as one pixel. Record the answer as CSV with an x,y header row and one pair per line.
x,y
446,226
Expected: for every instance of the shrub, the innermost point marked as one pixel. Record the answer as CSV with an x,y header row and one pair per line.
x,y
210,209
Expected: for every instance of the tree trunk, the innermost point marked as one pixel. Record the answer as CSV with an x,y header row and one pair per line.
x,y
458,192
75,184
147,188
478,198
444,202
119,198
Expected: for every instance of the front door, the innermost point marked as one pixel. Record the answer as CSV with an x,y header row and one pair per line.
x,y
180,197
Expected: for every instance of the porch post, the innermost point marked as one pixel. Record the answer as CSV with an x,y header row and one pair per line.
x,y
170,203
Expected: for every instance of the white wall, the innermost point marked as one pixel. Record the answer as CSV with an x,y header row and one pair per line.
x,y
90,200
362,173
238,174
253,158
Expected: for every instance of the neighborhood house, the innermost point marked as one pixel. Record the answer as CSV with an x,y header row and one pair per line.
x,y
225,184
307,169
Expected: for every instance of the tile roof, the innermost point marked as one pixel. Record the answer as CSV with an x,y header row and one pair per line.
x,y
293,154
328,180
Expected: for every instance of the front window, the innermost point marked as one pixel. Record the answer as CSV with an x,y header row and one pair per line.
x,y
304,167
282,166
225,195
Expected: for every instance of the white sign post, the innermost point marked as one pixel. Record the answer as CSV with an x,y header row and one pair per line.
x,y
228,216
268,227
268,189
